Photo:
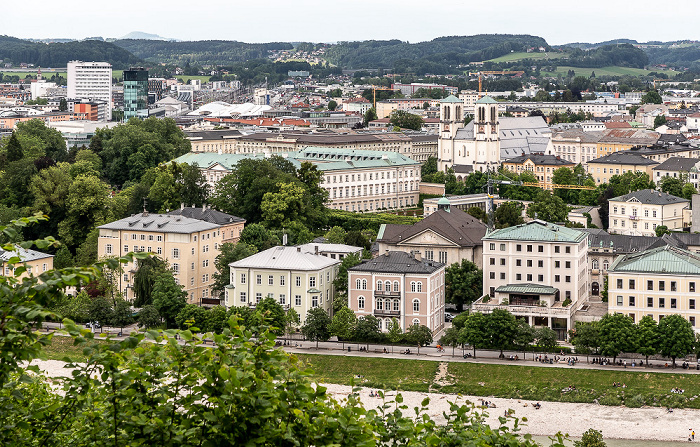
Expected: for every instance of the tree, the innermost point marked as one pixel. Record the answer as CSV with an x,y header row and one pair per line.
x,y
78,308
62,105
13,149
429,167
652,97
508,214
524,335
280,209
291,321
368,330
616,334
477,213
450,338
121,314
228,253
546,337
149,317
648,336
340,283
332,105
258,236
216,319
418,335
672,185
87,206
356,238
370,115
168,297
584,337
548,207
676,337
406,120
591,438
273,315
317,325
395,334
463,283
100,311
661,230
63,258
473,331
500,329
688,191
147,270
343,324
659,120
336,235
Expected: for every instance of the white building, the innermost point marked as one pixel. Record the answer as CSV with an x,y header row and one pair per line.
x,y
640,212
40,87
91,80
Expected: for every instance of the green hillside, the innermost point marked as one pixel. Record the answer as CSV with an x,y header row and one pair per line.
x,y
520,56
603,71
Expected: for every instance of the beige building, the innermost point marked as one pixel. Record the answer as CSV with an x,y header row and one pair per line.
x,y
448,235
542,166
36,262
296,278
658,282
576,145
190,246
601,169
537,271
399,285
641,212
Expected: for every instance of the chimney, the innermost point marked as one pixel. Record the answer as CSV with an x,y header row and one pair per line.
x,y
417,255
284,239
298,249
182,206
316,250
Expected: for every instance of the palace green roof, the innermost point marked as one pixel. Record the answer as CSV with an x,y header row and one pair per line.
x,y
451,98
527,288
539,231
486,100
664,260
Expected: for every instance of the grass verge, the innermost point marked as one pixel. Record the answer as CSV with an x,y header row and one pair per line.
x,y
61,348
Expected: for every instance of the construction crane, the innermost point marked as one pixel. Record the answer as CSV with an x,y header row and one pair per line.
x,y
491,73
374,94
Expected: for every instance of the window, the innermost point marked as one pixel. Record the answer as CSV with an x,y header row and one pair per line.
x,y
358,283
387,286
518,247
297,300
540,278
540,263
662,303
283,299
518,277
380,286
619,300
314,301
556,249
492,261
567,249
692,321
691,287
429,255
691,304
133,237
540,248
282,280
176,268
243,278
419,286
396,286
492,275
529,262
258,279
312,281
159,238
631,284
631,301
503,247
673,303
270,280
619,283
298,281
108,249
243,297
557,264
380,304
192,281
159,250
503,275
529,248
557,278
605,265
518,262
568,279
650,285
396,305
567,264
443,257
258,297
503,261
673,286
492,246
662,286
529,277
126,249
650,302
416,305
176,253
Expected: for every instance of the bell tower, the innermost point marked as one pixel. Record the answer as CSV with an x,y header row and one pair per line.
x,y
451,120
486,136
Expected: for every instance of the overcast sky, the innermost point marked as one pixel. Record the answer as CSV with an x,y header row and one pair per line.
x,y
335,20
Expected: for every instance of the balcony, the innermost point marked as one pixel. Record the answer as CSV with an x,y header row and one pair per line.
x,y
386,313
634,217
563,312
386,294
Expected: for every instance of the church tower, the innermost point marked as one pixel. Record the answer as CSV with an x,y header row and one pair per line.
x,y
486,128
451,119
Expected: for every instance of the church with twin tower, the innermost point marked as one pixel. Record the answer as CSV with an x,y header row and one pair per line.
x,y
488,139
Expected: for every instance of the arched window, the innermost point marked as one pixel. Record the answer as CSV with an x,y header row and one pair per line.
x,y
379,286
493,114
387,286
413,286
358,283
594,264
396,305
416,322
416,305
605,265
387,324
419,286
380,304
387,304
361,302
396,286
364,284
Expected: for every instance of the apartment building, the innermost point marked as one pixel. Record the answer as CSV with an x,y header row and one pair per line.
x,y
91,80
657,282
640,212
399,285
576,145
680,168
601,169
542,166
615,140
537,271
448,235
35,262
190,246
296,278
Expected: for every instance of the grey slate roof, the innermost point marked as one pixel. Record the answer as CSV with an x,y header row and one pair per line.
x,y
285,258
680,164
397,262
212,134
651,197
528,288
207,215
624,158
160,223
540,159
620,243
517,135
25,254
455,225
666,260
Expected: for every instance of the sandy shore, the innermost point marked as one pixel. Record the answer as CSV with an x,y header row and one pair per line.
x,y
650,423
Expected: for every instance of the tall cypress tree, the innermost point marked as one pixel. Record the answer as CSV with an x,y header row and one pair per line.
x,y
14,149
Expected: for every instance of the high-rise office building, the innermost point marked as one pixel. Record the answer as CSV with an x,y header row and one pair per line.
x,y
135,93
91,80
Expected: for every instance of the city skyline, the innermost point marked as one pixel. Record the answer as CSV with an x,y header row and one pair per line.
x,y
317,21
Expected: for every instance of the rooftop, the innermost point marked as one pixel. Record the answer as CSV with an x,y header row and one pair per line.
x,y
285,258
397,262
160,223
540,159
24,254
649,196
537,230
456,226
527,288
678,164
665,260
624,158
207,215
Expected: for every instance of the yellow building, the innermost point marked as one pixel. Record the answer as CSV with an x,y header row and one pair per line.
x,y
36,262
601,169
542,166
189,245
657,282
615,140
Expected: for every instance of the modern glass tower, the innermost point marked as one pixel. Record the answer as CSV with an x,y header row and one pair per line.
x,y
135,93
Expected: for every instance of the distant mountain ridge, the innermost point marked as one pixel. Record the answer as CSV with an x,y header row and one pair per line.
x,y
145,36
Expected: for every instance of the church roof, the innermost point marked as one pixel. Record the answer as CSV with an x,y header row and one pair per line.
x,y
451,98
486,100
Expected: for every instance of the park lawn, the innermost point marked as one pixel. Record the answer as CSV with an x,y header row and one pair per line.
x,y
407,375
512,57
62,347
186,79
546,384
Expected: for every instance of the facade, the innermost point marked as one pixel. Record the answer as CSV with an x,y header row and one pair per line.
x,y
542,166
190,246
678,167
447,235
601,169
91,80
639,213
657,282
410,89
615,140
294,277
36,262
463,203
576,145
399,285
135,93
537,271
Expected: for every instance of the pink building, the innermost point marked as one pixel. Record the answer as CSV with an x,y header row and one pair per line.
x,y
399,285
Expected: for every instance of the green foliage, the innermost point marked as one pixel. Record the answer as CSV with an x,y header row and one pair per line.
x,y
121,313
350,221
676,337
336,235
317,324
477,213
272,313
472,333
395,334
100,310
168,298
672,185
145,276
659,121
661,230
463,283
192,317
584,337
258,237
370,115
340,283
591,438
175,184
617,334
548,207
13,149
652,97
524,335
332,105
546,338
343,323
429,167
406,120
508,214
419,335
228,253
149,317
648,335
291,320
500,329
368,329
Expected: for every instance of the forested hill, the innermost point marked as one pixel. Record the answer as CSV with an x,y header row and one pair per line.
x,y
17,51
622,55
214,52
450,50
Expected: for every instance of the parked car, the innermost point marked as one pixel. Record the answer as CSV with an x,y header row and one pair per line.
x,y
93,325
449,317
